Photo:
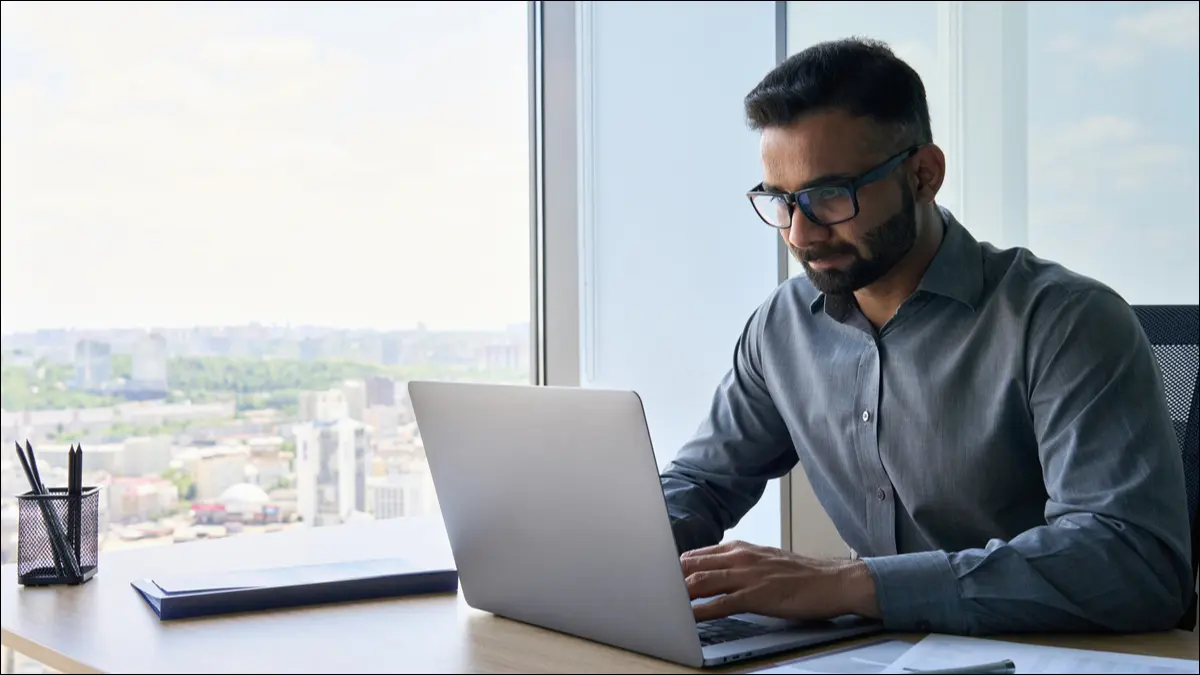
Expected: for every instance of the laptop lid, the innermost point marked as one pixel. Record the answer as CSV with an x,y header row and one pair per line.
x,y
554,512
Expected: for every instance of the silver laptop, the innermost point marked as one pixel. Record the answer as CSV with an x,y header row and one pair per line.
x,y
555,515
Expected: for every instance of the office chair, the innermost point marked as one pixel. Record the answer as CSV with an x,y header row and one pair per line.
x,y
1174,334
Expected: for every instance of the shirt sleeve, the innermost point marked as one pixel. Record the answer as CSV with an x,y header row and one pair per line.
x,y
720,473
1114,553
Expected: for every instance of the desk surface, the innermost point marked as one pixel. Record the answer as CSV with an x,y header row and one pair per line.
x,y
105,626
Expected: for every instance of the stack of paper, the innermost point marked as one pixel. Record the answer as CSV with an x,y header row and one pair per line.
x,y
874,657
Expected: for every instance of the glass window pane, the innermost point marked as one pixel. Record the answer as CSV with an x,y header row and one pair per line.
x,y
233,231
1113,144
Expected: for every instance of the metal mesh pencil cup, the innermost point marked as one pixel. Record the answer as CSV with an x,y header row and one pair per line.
x,y
40,559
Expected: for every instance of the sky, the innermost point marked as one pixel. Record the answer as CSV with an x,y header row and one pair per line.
x,y
177,164
365,165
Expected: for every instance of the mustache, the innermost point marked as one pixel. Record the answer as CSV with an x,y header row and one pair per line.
x,y
821,252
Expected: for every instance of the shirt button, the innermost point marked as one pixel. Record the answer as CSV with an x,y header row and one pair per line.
x,y
866,415
881,494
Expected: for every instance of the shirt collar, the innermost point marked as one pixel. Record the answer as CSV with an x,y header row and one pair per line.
x,y
955,272
957,269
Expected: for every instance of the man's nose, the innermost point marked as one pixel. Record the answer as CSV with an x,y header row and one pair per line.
x,y
804,232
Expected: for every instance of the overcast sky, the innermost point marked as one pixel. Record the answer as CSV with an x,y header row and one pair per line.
x,y
366,164
348,164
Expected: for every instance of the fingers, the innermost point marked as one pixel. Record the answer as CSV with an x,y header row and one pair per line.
x,y
718,608
717,548
717,582
713,561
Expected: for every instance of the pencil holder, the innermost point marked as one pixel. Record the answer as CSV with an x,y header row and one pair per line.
x,y
56,535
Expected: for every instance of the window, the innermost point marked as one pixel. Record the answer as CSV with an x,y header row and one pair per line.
x,y
233,231
1069,128
1112,115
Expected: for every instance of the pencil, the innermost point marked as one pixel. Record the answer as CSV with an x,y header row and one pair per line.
x,y
58,539
36,488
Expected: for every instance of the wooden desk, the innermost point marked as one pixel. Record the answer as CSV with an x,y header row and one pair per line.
x,y
105,626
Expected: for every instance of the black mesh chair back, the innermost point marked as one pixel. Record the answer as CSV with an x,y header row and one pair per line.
x,y
1174,334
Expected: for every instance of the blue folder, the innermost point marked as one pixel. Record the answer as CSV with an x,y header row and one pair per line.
x,y
180,597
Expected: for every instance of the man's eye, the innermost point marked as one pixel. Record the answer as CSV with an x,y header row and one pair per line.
x,y
829,193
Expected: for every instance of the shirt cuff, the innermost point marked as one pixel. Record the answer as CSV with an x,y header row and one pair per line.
x,y
917,592
690,533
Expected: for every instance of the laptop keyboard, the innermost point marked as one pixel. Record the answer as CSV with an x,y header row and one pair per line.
x,y
729,629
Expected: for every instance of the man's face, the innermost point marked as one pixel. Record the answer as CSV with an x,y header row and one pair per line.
x,y
845,257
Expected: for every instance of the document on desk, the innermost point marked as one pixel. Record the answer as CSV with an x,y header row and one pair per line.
x,y
873,657
938,652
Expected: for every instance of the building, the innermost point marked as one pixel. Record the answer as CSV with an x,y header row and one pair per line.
x,y
383,420
331,470
323,406
93,365
355,392
239,503
145,456
140,499
148,378
214,469
270,465
104,457
499,357
381,391
401,495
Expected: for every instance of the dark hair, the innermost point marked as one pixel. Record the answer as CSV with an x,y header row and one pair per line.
x,y
860,76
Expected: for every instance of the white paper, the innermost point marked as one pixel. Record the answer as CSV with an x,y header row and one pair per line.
x,y
869,658
946,651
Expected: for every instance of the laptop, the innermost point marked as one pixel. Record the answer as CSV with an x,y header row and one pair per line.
x,y
555,516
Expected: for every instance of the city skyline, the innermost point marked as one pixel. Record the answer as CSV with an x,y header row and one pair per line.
x,y
420,326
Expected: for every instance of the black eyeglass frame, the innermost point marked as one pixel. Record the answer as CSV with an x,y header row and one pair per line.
x,y
800,197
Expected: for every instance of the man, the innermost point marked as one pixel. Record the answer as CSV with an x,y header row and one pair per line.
x,y
986,429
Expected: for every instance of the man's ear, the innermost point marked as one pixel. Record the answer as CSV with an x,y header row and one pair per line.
x,y
929,168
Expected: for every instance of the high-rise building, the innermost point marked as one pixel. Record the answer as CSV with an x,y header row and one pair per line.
x,y
380,391
384,421
93,364
323,406
356,398
331,470
400,495
148,378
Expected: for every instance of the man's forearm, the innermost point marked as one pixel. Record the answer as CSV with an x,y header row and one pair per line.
x,y
1093,574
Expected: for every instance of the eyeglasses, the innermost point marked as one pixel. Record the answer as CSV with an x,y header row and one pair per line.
x,y
827,204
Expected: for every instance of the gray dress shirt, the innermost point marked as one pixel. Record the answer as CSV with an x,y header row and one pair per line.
x,y
999,453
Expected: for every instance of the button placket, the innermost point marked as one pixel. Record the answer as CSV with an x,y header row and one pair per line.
x,y
881,515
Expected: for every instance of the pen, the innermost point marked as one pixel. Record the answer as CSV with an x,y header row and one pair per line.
x,y
1005,666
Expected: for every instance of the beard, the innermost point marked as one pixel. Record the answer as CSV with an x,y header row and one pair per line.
x,y
886,246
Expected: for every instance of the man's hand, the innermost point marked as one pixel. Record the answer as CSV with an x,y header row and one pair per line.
x,y
772,582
